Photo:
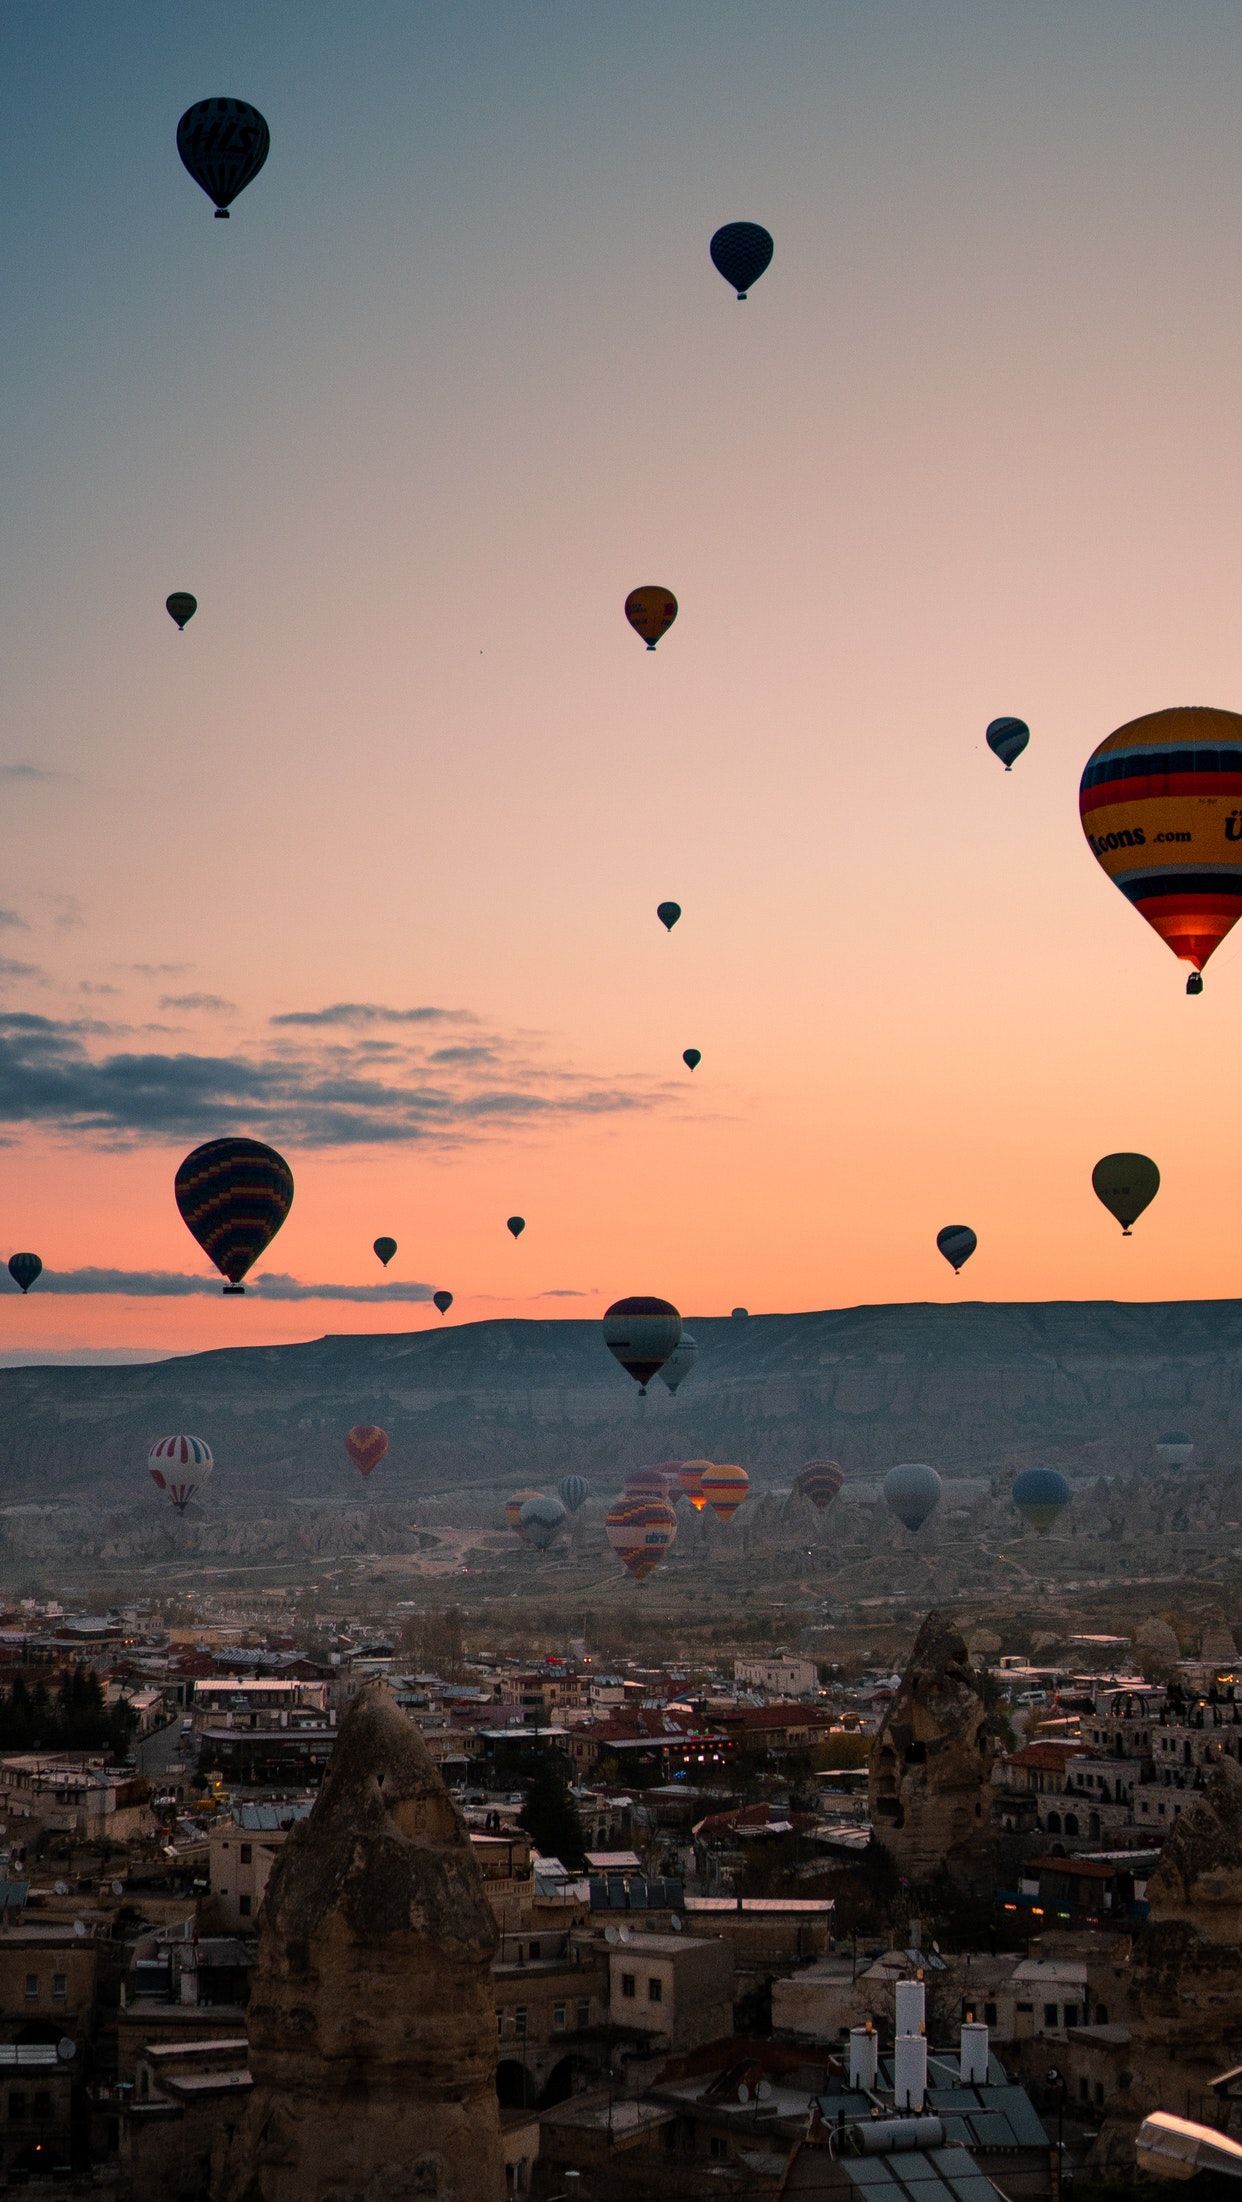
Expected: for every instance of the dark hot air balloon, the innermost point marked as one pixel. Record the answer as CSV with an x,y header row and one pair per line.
x,y
651,611
1127,1184
181,606
514,1505
680,1362
911,1490
1175,1448
223,143
1007,738
442,1300
516,1224
1040,1494
541,1521
641,1333
178,1467
819,1482
384,1249
692,1057
668,914
740,252
957,1242
24,1268
1161,806
234,1194
366,1445
575,1491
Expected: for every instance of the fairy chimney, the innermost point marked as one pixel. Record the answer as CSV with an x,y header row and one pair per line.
x,y
929,1779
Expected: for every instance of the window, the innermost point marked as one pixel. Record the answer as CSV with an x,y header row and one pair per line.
x,y
42,2105
717,2146
1050,2014
519,2022
247,1853
32,1987
1071,2014
60,1987
558,2017
627,1985
655,1991
243,1906
584,2012
989,2015
17,2107
1099,2093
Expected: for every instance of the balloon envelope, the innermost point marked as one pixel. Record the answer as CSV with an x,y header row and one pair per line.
x,y
739,1314
513,1506
385,1248
725,1486
1126,1184
223,143
1161,806
651,611
366,1445
574,1491
911,1490
640,1531
740,252
1007,738
516,1224
442,1300
641,1333
540,1521
179,1466
668,914
820,1482
181,606
233,1195
1175,1448
690,1482
680,1362
957,1242
1040,1494
692,1057
24,1268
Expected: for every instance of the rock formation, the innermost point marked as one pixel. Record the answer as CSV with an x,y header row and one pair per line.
x,y
372,2025
929,1784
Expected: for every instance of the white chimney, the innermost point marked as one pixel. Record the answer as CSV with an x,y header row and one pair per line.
x,y
864,2057
910,2071
974,2054
911,2007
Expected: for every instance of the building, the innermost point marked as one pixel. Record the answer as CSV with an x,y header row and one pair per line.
x,y
241,1852
781,1675
671,1990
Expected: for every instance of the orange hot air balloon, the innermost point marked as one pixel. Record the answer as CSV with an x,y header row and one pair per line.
x,y
513,1507
725,1486
366,1446
651,611
640,1531
690,1482
1161,806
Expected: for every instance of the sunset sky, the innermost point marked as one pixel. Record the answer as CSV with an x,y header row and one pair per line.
x,y
366,862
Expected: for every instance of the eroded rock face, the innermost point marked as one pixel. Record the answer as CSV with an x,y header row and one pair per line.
x,y
929,1782
372,2026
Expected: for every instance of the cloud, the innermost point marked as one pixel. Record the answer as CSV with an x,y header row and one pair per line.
x,y
21,771
82,1357
567,1292
464,1054
12,968
157,970
94,986
372,1013
172,1284
13,917
213,1003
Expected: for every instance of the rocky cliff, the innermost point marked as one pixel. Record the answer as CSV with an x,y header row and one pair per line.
x,y
929,1778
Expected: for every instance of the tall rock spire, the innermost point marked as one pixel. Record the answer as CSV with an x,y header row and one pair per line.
x,y
372,2025
929,1778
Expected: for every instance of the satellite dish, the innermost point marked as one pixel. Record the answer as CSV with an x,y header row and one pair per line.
x,y
623,1934
764,2091
675,1924
62,1888
118,1888
79,1928
743,2093
66,2050
611,1935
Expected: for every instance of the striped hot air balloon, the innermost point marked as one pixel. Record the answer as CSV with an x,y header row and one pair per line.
x,y
233,1195
690,1482
647,1483
725,1486
223,144
1161,806
957,1242
640,1531
651,611
541,1521
25,1270
641,1333
178,1467
819,1482
366,1445
513,1507
574,1491
1007,738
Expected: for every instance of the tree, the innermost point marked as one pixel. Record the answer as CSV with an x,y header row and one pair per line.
x,y
549,1814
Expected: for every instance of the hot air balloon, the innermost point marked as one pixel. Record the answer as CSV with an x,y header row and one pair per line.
x,y
725,1486
691,1057
385,1249
575,1491
740,252
24,1268
680,1362
1127,1184
234,1194
442,1300
819,1482
1040,1494
911,1490
516,1224
540,1521
1175,1448
651,611
739,1314
641,1334
690,1482
640,1531
178,1467
957,1242
513,1507
647,1483
668,913
223,143
366,1445
1007,738
1161,806
181,606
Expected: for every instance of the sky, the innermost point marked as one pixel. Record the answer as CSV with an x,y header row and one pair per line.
x,y
366,862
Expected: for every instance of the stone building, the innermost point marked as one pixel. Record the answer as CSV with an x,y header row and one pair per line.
x,y
929,1778
372,2025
